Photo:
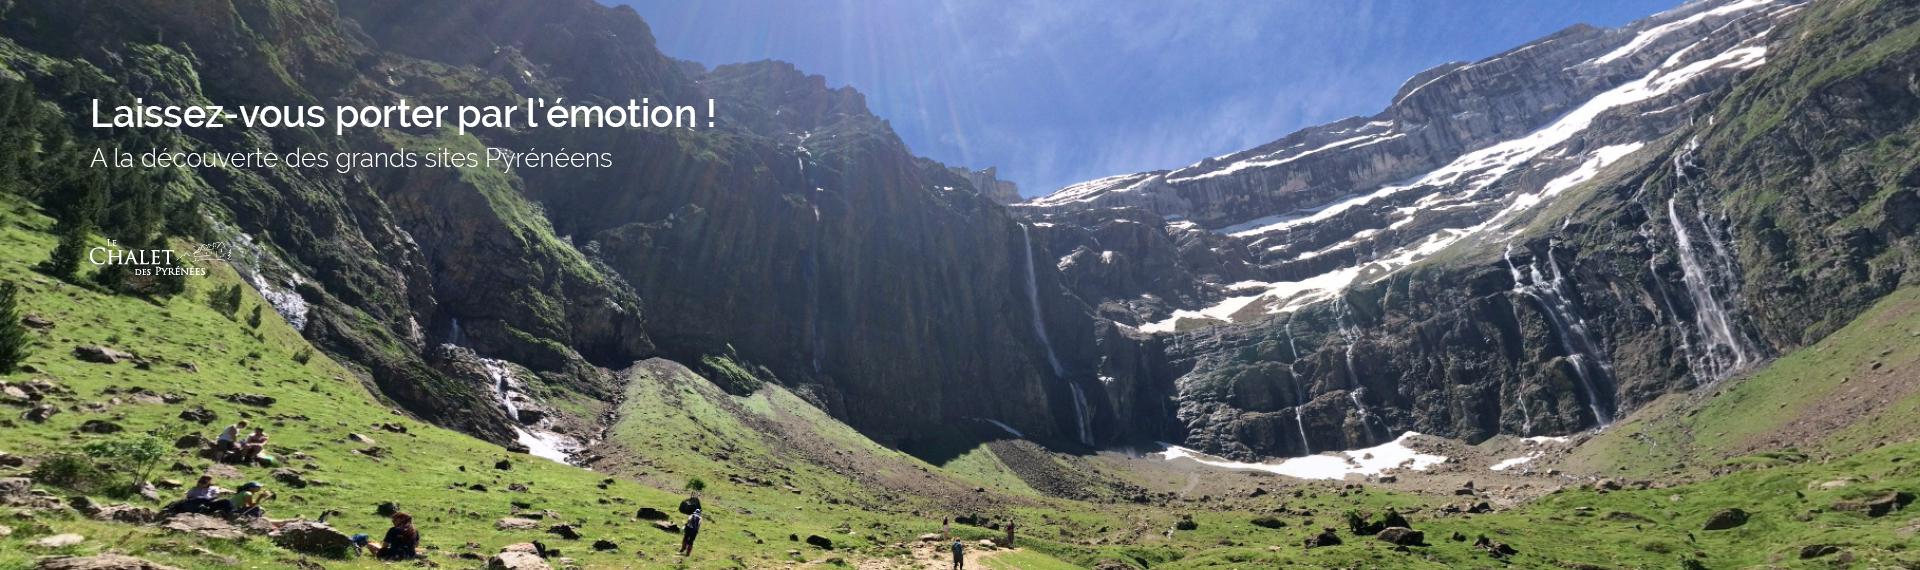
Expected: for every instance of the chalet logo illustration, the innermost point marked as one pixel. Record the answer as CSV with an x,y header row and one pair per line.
x,y
160,261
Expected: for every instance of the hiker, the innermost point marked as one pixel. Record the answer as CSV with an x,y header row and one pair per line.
x,y
959,555
687,534
402,541
203,498
946,527
1009,543
229,441
246,502
256,443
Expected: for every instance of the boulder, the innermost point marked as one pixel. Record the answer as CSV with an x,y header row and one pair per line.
x,y
99,562
1726,519
1496,549
202,525
1402,536
1186,523
316,538
1878,506
125,513
650,514
819,542
1813,551
604,545
517,560
358,438
1269,522
40,413
199,414
190,441
290,478
1325,538
59,541
503,465
565,531
100,426
667,526
516,523
255,400
99,354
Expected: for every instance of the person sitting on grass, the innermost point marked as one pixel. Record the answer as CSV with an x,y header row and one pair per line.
x,y
228,443
256,443
246,502
401,543
203,498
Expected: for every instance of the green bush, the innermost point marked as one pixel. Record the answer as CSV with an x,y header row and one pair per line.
x,y
14,339
70,470
135,456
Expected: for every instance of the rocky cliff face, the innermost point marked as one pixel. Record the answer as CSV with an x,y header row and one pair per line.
x,y
1535,243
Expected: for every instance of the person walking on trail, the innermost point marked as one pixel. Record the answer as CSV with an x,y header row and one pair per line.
x,y
959,555
691,531
1009,543
946,528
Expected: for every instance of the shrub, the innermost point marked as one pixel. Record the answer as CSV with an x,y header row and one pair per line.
x,y
135,456
13,335
70,470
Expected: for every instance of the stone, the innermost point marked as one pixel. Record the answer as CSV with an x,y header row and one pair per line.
x,y
125,513
99,354
290,478
1496,549
516,523
667,526
1813,551
59,541
199,414
931,537
224,471
650,514
316,538
99,562
503,465
1325,538
40,413
12,461
255,400
100,426
517,560
1402,536
604,545
358,438
202,525
1726,519
1878,506
820,542
565,531
1269,522
190,441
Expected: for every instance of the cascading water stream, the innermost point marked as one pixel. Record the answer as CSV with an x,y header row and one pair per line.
x,y
1351,333
1569,328
1722,351
1082,415
1299,391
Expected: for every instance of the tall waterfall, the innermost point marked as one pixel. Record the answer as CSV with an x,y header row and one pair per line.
x,y
1351,332
810,272
1299,390
1722,351
1083,418
1589,364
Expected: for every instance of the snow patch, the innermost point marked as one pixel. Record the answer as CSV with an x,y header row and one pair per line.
x,y
1369,461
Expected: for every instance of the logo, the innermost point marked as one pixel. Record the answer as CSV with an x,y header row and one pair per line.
x,y
160,261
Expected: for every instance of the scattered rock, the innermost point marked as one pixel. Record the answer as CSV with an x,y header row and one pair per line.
x,y
517,560
190,441
40,413
203,525
99,354
59,541
1186,523
125,513
503,465
1497,549
1402,536
931,537
565,531
199,414
650,514
1813,551
358,438
36,322
1878,506
1268,522
255,400
224,471
100,426
604,545
1325,538
667,526
1726,519
290,478
11,460
315,538
820,542
516,523
99,562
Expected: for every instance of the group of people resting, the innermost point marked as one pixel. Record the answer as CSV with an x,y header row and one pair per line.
x,y
229,447
401,542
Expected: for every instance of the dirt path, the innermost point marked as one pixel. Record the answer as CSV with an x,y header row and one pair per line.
x,y
929,556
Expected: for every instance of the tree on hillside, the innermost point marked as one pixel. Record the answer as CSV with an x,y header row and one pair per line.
x,y
14,339
65,260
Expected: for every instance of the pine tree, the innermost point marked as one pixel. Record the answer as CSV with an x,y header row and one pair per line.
x,y
65,261
14,339
254,320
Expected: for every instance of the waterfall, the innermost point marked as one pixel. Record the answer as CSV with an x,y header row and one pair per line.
x,y
1083,419
1367,420
1299,390
1526,416
540,441
456,336
1568,327
810,272
1351,332
1722,350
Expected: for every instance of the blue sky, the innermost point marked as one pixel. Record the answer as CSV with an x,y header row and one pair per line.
x,y
1059,91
